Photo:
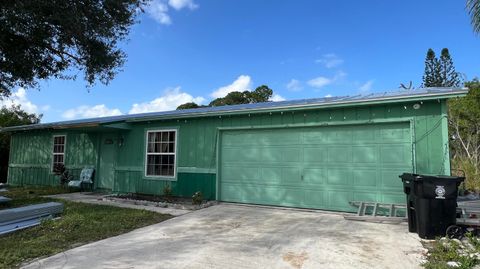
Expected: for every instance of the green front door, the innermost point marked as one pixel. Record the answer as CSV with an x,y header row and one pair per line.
x,y
315,167
106,171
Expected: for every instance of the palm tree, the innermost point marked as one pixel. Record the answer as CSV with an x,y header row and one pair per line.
x,y
473,9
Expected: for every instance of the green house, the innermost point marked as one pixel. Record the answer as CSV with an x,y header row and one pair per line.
x,y
315,153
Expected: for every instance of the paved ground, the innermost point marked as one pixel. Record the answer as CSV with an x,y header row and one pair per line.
x,y
97,198
235,236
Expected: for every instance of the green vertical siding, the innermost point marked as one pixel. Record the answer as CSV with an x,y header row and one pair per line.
x,y
128,181
197,145
31,156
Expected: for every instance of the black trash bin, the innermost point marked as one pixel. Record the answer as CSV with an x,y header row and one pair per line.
x,y
434,200
408,181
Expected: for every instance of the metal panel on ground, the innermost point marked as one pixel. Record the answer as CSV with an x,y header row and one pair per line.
x,y
315,167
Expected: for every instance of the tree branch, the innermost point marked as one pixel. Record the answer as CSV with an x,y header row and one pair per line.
x,y
61,54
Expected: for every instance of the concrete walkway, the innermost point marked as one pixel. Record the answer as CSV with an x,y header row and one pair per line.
x,y
235,236
98,199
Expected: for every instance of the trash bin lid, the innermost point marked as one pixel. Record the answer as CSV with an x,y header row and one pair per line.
x,y
438,177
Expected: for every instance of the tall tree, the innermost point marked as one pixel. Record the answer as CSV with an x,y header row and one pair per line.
x,y
440,72
431,75
473,9
448,76
12,116
44,39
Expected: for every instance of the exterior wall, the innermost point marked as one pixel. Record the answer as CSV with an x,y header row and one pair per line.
x,y
197,145
31,156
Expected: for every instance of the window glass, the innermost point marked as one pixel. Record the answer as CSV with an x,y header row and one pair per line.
x,y
58,152
160,159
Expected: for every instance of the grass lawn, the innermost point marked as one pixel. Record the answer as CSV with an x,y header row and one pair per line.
x,y
79,224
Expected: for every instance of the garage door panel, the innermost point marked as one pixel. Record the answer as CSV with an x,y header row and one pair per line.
x,y
312,137
394,133
339,200
395,154
281,137
393,198
234,192
339,135
316,176
238,138
339,154
364,135
365,154
291,175
271,175
240,174
390,179
365,196
315,167
339,177
241,155
316,155
280,154
292,197
315,198
365,178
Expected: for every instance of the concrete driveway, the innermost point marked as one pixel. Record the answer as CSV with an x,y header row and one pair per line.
x,y
236,236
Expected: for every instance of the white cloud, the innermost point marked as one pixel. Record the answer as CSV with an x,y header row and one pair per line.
x,y
180,4
321,81
277,98
170,100
90,112
159,12
294,85
20,98
330,60
328,95
242,83
366,87
159,9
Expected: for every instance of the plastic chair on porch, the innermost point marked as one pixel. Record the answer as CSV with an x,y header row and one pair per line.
x,y
86,179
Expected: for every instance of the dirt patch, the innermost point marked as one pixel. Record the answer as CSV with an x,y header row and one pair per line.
x,y
296,260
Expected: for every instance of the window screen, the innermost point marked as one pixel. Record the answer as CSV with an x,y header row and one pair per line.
x,y
161,150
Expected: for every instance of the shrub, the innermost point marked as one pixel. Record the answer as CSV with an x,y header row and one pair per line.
x,y
197,198
167,190
465,167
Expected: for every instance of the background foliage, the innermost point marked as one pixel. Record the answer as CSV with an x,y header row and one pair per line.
x,y
12,116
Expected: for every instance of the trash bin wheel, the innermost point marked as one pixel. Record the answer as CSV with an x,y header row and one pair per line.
x,y
455,232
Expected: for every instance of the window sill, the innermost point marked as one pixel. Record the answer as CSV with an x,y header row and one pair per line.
x,y
174,178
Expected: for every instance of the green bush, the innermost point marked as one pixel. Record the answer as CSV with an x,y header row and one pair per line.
x,y
197,198
465,167
167,190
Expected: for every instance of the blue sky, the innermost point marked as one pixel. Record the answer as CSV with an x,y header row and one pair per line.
x,y
195,50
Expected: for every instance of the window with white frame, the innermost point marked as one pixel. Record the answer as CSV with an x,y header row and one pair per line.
x,y
161,153
58,151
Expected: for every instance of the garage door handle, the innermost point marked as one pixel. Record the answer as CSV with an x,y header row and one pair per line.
x,y
302,177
